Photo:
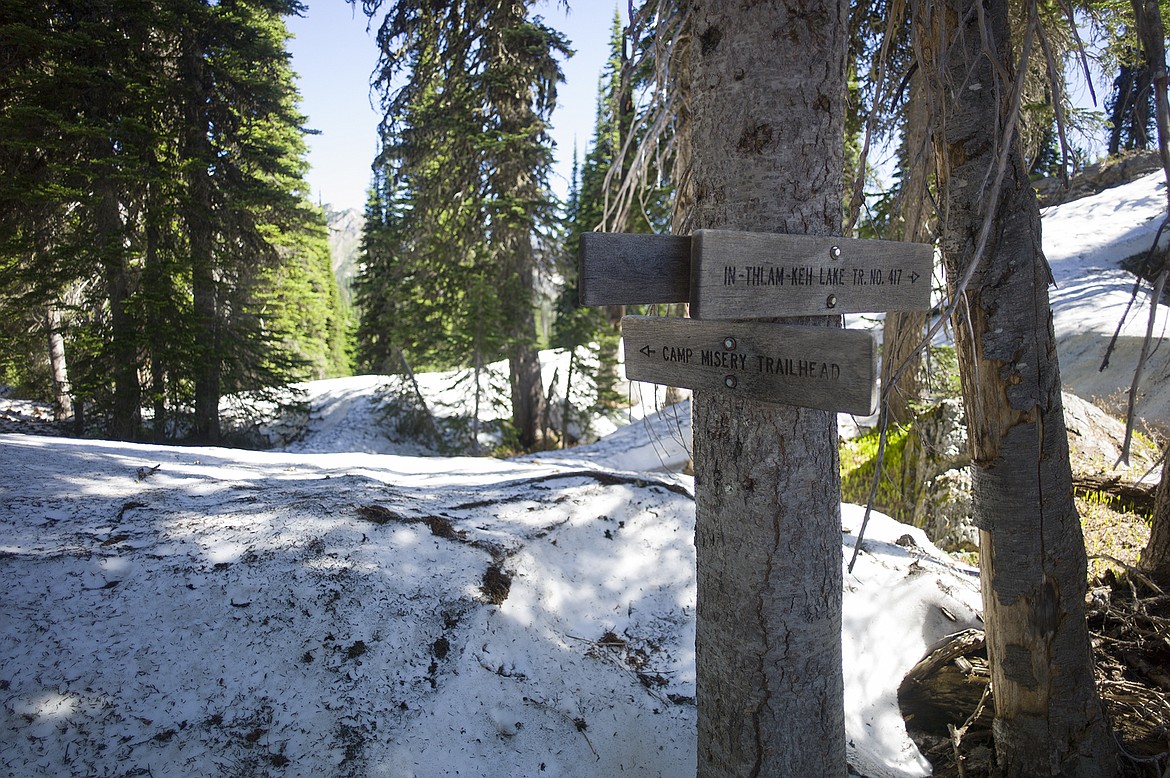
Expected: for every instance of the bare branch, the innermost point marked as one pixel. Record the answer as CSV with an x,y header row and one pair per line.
x,y
1055,79
1137,285
1152,37
959,295
1081,55
1159,287
651,139
895,18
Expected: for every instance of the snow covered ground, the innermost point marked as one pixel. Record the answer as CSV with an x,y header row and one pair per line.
x,y
348,608
1084,241
201,611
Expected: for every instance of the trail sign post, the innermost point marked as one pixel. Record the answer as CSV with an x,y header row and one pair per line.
x,y
746,275
814,367
750,275
730,278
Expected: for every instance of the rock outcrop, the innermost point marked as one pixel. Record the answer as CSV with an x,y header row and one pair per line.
x,y
935,474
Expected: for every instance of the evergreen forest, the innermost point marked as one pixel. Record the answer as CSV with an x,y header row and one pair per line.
x,y
161,259
159,251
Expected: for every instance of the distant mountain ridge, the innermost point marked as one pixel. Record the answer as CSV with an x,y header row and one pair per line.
x,y
345,240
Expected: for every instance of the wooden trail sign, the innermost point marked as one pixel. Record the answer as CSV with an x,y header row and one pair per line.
x,y
627,269
748,275
813,367
743,275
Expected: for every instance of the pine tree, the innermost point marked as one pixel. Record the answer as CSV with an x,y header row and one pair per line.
x,y
520,80
606,199
152,162
32,220
1129,104
253,241
462,191
70,121
1048,718
582,331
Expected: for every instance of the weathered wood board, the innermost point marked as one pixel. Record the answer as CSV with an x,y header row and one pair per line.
x,y
751,275
630,269
748,275
813,367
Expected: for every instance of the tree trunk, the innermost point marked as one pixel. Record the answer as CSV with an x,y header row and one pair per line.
x,y
902,332
1156,556
1048,717
1122,97
767,148
207,371
566,404
528,403
155,287
198,217
609,376
62,397
1153,38
477,370
126,411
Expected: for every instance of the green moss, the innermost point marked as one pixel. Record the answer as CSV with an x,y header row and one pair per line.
x,y
858,463
941,372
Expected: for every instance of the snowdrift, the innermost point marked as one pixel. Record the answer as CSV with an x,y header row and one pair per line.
x,y
199,611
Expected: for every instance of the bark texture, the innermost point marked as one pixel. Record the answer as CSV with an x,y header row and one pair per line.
x,y
1048,717
125,413
1156,556
766,154
902,332
62,393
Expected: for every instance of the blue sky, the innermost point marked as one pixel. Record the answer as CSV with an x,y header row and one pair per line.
x,y
333,56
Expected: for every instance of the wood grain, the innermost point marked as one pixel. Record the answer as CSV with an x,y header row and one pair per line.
x,y
812,367
749,275
629,269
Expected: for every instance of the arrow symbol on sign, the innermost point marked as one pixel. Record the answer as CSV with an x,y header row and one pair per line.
x,y
914,276
647,350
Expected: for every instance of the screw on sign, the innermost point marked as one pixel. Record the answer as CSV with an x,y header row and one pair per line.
x,y
748,275
727,275
729,278
814,367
